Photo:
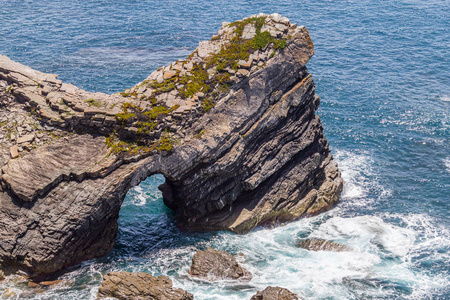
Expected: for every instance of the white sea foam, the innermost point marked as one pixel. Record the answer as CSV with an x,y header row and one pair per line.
x,y
360,179
145,192
445,98
447,163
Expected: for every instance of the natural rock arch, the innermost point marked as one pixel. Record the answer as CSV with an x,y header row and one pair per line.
x,y
239,146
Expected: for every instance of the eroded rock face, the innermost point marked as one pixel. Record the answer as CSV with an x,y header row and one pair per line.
x,y
124,285
322,245
275,293
216,265
236,138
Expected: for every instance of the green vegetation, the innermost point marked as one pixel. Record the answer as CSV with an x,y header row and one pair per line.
x,y
207,104
200,134
92,102
124,94
118,146
165,143
207,80
227,58
145,121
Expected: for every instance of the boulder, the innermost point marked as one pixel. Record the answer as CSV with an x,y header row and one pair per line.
x,y
14,151
26,139
217,264
322,245
274,293
125,285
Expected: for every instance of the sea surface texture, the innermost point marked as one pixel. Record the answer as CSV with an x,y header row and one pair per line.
x,y
382,70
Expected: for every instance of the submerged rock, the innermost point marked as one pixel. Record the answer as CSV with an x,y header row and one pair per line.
x,y
217,264
322,245
239,147
275,293
124,285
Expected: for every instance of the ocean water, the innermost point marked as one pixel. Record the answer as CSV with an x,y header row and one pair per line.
x,y
382,70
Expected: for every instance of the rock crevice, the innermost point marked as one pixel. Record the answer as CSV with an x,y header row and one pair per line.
x,y
232,128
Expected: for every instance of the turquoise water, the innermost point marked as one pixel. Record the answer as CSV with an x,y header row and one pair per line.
x,y
382,71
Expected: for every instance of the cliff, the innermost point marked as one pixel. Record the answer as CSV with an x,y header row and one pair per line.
x,y
232,128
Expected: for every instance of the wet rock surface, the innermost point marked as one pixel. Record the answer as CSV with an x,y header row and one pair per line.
x,y
275,293
140,286
236,137
322,245
217,265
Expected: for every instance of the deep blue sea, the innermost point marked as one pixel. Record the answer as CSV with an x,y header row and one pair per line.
x,y
382,69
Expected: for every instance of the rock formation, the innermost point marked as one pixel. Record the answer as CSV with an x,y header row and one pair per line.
x,y
322,245
232,128
126,286
275,293
217,264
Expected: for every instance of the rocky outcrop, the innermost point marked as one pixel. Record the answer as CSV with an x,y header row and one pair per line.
x,y
232,128
126,286
217,265
274,293
322,245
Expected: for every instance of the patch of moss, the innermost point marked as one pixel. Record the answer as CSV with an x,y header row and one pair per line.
x,y
207,104
92,102
165,86
165,143
200,134
133,94
117,146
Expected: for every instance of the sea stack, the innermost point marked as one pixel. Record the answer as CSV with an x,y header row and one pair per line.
x,y
232,128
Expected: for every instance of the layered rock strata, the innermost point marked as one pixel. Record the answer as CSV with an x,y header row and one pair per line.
x,y
232,128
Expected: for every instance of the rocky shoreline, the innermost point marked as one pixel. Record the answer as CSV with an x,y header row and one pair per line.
x,y
232,128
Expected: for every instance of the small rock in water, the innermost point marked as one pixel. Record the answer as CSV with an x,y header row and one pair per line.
x,y
32,284
50,283
2,275
275,293
125,285
322,245
217,264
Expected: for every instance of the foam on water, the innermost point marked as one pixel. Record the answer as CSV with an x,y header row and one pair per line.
x,y
447,163
361,186
445,98
385,113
